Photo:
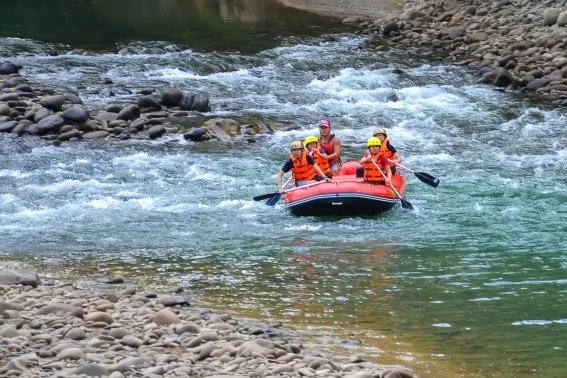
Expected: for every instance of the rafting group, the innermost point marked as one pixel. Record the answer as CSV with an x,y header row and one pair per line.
x,y
324,185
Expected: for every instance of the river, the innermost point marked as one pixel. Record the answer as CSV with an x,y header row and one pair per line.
x,y
472,283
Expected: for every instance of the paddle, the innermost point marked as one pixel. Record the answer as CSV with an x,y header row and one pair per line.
x,y
262,197
405,204
276,197
422,176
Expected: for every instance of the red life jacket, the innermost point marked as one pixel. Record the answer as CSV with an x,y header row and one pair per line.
x,y
329,149
302,170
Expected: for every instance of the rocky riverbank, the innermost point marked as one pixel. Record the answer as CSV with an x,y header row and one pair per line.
x,y
61,330
61,117
515,44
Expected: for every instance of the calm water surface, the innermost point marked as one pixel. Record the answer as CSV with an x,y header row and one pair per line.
x,y
471,284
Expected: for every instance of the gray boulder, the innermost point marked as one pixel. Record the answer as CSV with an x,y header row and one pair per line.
x,y
148,102
50,123
550,16
195,102
6,127
196,135
73,98
96,135
19,277
8,69
129,112
171,96
76,113
156,131
53,102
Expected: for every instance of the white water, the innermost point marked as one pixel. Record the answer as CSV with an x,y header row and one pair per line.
x,y
465,263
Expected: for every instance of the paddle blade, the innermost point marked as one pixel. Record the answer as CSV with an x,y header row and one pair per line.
x,y
272,201
427,178
262,197
406,204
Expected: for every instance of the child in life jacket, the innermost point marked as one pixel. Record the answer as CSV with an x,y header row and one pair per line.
x,y
375,165
302,166
314,149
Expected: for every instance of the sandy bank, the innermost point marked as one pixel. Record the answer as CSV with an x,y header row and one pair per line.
x,y
348,8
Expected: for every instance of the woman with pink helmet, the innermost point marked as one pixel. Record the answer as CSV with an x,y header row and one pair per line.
x,y
331,144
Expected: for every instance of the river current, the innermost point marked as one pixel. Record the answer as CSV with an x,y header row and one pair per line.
x,y
472,283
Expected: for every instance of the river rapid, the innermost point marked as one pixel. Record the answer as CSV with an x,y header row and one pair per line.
x,y
472,283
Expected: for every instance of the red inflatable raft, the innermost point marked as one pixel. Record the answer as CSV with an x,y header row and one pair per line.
x,y
346,194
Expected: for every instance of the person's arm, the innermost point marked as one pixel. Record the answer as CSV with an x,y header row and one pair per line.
x,y
286,168
365,158
320,172
336,143
279,179
396,158
388,174
322,153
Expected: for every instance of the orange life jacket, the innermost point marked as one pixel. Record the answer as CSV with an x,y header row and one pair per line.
x,y
302,170
386,152
320,160
370,171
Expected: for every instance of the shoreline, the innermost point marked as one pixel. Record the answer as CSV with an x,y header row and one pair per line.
x,y
118,330
517,47
347,8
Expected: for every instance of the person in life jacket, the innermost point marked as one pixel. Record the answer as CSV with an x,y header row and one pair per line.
x,y
331,144
373,174
387,149
314,149
302,165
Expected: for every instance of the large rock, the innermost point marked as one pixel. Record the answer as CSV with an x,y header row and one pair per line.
x,y
68,135
96,135
6,127
502,77
171,96
50,123
76,113
19,277
106,116
129,112
222,129
389,28
73,98
40,114
8,69
196,135
550,16
166,317
148,102
53,102
55,308
9,97
156,131
195,102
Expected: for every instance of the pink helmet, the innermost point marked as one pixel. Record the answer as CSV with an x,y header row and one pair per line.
x,y
325,122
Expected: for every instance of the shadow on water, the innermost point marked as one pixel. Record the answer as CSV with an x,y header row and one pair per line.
x,y
238,25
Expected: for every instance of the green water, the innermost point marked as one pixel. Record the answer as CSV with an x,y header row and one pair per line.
x,y
470,284
238,25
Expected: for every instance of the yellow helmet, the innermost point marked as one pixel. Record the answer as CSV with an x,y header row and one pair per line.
x,y
374,142
310,139
296,144
380,131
